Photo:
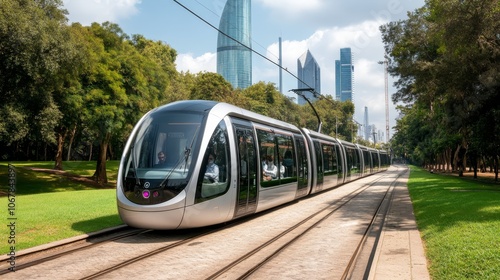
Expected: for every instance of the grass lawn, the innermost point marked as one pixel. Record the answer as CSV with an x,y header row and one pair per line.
x,y
459,221
81,168
52,207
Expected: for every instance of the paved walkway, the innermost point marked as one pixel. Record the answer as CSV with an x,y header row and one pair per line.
x,y
400,254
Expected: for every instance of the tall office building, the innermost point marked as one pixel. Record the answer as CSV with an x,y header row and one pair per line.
x,y
344,76
337,80
234,61
308,71
367,127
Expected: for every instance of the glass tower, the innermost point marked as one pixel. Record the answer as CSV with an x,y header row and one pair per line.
x,y
308,71
234,61
344,72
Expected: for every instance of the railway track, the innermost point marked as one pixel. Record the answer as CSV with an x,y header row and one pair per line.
x,y
362,258
248,248
39,256
245,266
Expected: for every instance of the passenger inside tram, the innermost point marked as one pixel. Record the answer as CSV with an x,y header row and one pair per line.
x,y
269,171
281,167
212,170
162,160
288,163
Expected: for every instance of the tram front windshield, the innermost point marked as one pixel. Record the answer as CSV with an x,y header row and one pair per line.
x,y
157,165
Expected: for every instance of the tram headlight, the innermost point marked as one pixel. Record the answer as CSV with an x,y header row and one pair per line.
x,y
146,194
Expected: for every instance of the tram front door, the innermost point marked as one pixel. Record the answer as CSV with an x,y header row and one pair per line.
x,y
246,202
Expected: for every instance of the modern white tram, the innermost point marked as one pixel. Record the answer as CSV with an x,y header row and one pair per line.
x,y
167,179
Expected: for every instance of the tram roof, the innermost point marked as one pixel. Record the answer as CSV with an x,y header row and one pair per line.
x,y
222,109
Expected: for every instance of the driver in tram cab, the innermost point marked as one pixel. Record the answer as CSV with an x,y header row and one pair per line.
x,y
212,170
162,160
269,171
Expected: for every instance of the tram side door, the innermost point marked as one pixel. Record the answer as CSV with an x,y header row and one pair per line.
x,y
246,201
320,173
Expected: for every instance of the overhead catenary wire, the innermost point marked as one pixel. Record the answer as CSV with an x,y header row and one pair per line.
x,y
315,93
296,91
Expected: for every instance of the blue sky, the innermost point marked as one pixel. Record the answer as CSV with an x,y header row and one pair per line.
x,y
322,26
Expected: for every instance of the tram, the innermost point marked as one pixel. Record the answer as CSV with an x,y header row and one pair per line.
x,y
197,163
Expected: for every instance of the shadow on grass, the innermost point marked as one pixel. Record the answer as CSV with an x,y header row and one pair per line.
x,y
34,182
442,201
97,224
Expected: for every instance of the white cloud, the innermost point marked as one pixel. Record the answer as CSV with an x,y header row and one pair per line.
x,y
325,44
294,7
363,39
206,62
88,11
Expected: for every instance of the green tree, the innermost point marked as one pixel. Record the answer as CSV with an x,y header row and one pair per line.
x,y
337,117
126,79
211,86
159,72
70,94
36,55
264,99
180,87
446,58
105,95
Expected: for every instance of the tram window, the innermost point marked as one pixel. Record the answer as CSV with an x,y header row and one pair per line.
x,y
268,153
375,160
367,161
160,153
243,152
330,160
285,159
320,174
289,163
349,159
302,163
170,138
277,155
359,157
247,156
356,157
339,156
214,173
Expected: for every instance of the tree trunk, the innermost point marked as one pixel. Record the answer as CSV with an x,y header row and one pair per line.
x,y
448,160
60,145
37,155
456,159
495,165
110,151
474,164
100,172
28,157
90,151
71,138
451,158
460,159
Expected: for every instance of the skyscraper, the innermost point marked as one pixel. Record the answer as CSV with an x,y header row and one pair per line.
x,y
367,127
337,80
344,73
309,72
234,61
